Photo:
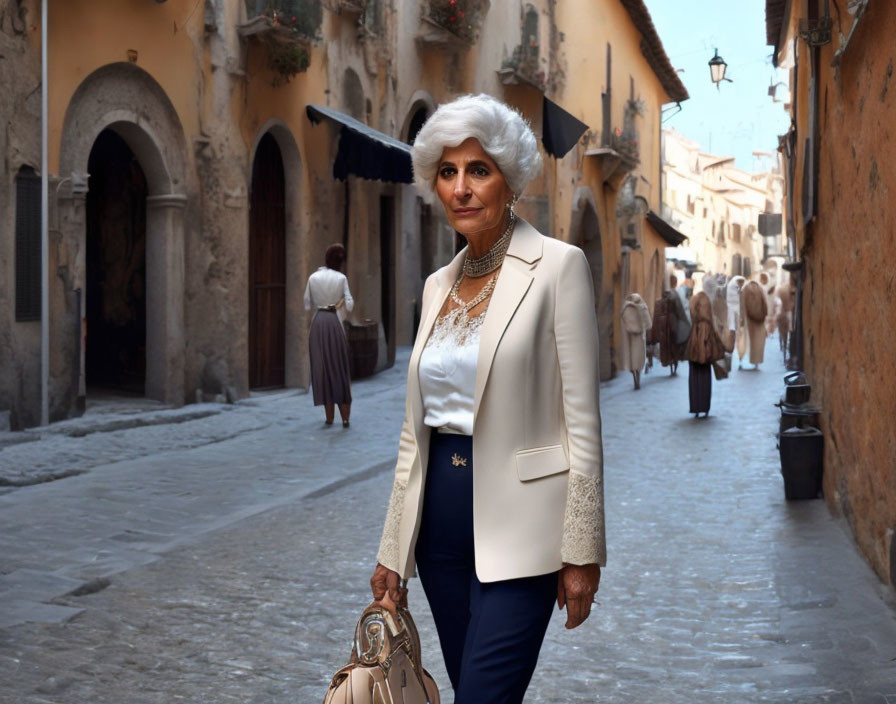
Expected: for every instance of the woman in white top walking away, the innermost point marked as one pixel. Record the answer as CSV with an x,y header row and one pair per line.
x,y
327,292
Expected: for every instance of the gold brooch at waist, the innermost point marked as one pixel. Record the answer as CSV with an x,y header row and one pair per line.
x,y
458,461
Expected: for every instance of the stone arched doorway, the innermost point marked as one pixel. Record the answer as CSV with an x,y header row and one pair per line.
x,y
124,105
267,267
585,229
115,295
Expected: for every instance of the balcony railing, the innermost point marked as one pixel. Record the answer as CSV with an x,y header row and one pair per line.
x,y
456,21
302,18
626,145
345,6
523,67
286,28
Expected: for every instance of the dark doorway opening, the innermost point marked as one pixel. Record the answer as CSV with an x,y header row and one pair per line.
x,y
267,268
387,273
116,268
418,119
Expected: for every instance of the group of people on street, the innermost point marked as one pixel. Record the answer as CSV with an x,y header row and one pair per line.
x,y
705,328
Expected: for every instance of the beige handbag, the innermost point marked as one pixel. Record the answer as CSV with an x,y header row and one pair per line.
x,y
384,667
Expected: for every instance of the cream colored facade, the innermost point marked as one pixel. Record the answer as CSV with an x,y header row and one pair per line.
x,y
191,196
718,207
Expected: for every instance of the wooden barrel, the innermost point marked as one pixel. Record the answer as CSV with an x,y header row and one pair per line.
x,y
362,348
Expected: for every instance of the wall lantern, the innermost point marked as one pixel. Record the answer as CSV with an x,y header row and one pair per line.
x,y
717,68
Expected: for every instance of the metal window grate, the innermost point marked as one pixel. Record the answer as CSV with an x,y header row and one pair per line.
x,y
27,245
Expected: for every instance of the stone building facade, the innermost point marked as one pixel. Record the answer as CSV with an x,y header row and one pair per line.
x,y
840,161
203,155
20,308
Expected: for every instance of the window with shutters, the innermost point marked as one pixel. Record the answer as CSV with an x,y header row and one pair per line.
x,y
27,245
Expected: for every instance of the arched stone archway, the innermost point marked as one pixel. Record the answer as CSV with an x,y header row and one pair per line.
x,y
585,231
298,264
126,100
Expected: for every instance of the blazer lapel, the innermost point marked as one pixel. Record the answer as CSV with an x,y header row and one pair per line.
x,y
513,284
444,283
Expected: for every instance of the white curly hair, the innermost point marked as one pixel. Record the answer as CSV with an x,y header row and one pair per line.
x,y
503,133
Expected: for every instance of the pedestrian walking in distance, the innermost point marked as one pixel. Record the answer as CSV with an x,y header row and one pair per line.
x,y
670,327
754,311
635,324
735,315
502,517
328,295
704,347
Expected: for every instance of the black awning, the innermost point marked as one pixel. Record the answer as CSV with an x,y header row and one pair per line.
x,y
664,229
364,151
560,131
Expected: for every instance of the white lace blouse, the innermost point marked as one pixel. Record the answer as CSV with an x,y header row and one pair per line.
x,y
447,374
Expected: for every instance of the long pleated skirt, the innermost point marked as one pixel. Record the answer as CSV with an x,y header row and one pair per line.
x,y
330,375
700,386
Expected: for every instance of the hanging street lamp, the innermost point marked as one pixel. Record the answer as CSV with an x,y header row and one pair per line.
x,y
717,68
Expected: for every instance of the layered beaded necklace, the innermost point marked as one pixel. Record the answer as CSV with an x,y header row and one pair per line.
x,y
494,257
457,326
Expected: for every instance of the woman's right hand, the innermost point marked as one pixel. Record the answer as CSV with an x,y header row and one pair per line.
x,y
384,580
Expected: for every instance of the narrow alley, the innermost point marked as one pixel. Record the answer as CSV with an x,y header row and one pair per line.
x,y
226,558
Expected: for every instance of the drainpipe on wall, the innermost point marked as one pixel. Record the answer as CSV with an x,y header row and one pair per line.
x,y
44,229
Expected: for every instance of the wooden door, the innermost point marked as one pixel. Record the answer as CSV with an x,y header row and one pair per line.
x,y
267,268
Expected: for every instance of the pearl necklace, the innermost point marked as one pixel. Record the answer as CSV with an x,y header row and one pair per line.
x,y
494,257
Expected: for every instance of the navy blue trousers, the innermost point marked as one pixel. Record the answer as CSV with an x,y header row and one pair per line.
x,y
491,632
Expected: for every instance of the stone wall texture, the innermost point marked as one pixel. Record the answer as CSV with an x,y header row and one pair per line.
x,y
850,283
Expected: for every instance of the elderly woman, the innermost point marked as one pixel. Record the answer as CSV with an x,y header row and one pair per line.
x,y
498,495
754,311
327,293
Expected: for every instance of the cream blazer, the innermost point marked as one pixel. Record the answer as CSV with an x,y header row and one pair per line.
x,y
537,452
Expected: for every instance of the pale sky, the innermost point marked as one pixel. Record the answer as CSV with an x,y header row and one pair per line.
x,y
740,117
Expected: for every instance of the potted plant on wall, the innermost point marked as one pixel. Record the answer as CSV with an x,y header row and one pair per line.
x,y
286,28
459,18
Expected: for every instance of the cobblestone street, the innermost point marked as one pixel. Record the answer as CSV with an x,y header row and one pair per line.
x,y
225,557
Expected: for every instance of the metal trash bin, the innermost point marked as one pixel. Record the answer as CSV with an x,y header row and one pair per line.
x,y
804,416
796,412
796,389
802,454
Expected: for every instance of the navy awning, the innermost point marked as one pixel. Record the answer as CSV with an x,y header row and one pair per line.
x,y
364,151
665,230
560,130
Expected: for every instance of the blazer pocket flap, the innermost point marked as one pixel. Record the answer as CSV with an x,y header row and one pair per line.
x,y
541,462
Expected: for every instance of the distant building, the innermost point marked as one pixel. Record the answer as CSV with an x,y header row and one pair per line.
x,y
724,211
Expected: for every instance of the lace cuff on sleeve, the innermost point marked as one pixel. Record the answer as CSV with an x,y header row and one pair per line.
x,y
583,527
388,552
